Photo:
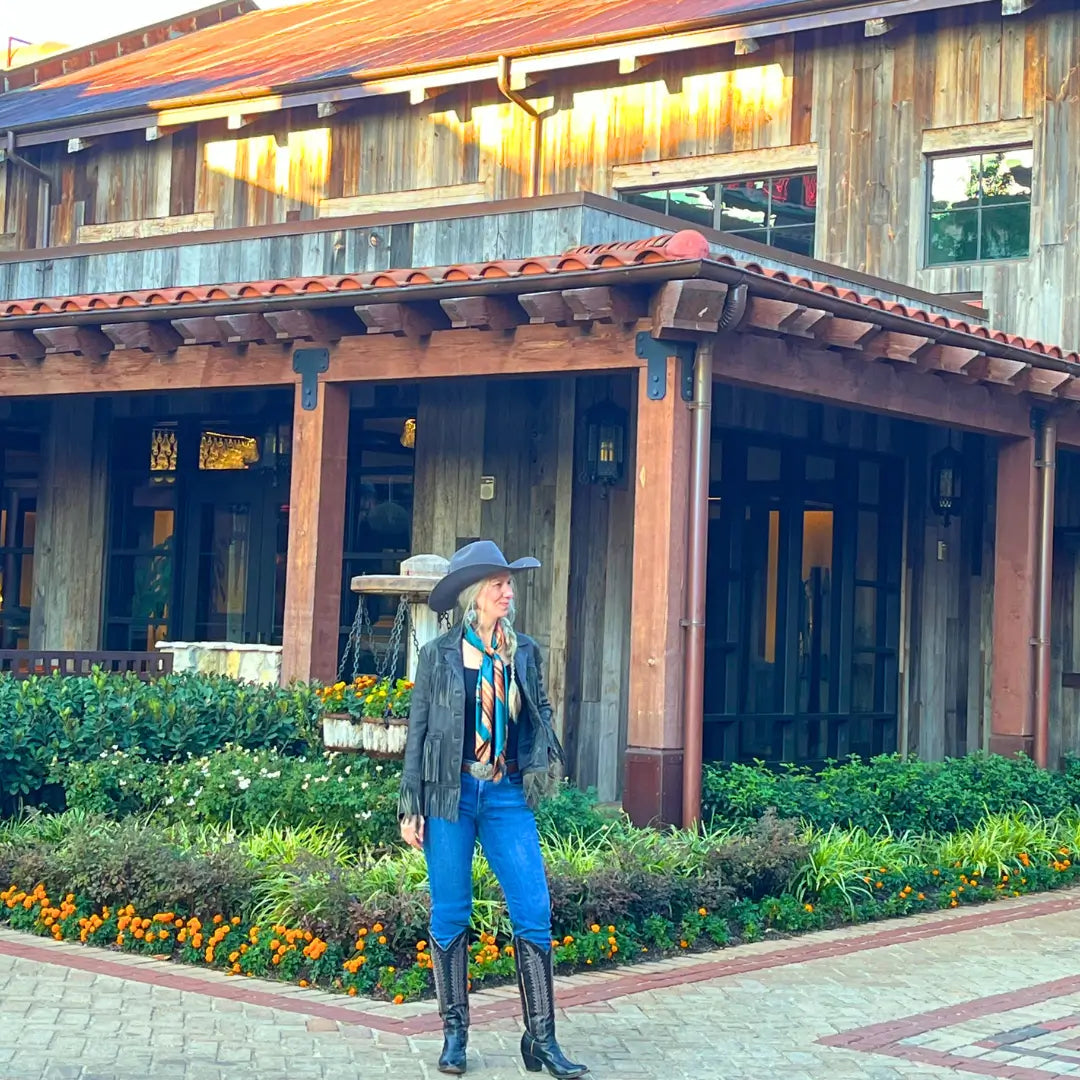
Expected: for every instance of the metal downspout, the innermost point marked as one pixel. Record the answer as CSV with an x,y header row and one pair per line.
x,y
697,550
1047,466
10,154
538,130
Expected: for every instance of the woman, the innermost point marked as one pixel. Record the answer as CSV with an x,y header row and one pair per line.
x,y
481,750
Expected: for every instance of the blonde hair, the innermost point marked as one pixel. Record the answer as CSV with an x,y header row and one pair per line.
x,y
467,602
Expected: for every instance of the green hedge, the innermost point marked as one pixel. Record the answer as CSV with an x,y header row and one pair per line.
x,y
43,719
903,795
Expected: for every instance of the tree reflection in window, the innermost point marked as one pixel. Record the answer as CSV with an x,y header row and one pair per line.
x,y
980,206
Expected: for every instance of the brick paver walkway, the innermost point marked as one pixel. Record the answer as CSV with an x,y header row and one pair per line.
x,y
992,991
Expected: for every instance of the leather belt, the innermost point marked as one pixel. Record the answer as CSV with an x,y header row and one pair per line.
x,y
483,770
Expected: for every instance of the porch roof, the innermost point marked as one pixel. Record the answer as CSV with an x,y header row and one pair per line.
x,y
683,254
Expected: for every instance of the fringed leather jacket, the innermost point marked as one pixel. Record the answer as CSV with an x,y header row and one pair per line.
x,y
431,776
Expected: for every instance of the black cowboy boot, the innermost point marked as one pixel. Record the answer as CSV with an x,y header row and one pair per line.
x,y
450,967
538,1045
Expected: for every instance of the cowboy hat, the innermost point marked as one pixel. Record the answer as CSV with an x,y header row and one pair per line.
x,y
474,562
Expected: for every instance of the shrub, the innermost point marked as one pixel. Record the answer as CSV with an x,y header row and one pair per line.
x,y
46,718
891,792
351,794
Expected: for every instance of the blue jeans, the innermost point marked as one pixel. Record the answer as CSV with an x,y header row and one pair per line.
x,y
498,815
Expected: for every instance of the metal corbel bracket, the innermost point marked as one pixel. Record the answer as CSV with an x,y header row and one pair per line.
x,y
309,364
655,354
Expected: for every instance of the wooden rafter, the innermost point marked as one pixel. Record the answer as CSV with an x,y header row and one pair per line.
x,y
151,337
306,324
604,303
402,320
547,307
200,330
245,328
692,306
21,345
483,312
81,340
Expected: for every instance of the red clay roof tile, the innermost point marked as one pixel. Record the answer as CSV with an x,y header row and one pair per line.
x,y
685,245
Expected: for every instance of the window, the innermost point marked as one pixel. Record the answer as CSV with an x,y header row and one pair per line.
x,y
980,206
774,210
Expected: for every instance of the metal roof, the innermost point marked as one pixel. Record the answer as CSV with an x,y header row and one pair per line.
x,y
350,41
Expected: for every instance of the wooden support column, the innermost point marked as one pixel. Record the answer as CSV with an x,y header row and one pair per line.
x,y
1012,719
654,753
316,535
69,548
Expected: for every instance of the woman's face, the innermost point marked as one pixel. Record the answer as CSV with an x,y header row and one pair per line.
x,y
494,599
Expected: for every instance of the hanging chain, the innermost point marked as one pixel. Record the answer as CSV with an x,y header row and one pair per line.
x,y
352,643
385,660
393,647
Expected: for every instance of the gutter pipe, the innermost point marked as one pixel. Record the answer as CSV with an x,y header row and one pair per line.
x,y
538,131
1046,462
697,552
10,154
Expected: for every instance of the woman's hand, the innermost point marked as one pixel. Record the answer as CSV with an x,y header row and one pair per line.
x,y
412,832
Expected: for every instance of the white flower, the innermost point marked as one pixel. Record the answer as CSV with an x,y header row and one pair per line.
x,y
378,768
243,783
304,786
348,769
123,783
273,775
366,814
363,786
191,802
236,772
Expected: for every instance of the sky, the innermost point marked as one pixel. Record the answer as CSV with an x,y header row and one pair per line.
x,y
79,22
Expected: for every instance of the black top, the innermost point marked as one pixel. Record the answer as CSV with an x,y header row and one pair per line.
x,y
472,680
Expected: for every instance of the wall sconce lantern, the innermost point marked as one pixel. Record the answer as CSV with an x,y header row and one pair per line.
x,y
605,444
946,476
408,433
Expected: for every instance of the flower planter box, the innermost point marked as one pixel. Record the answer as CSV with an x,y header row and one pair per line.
x,y
374,736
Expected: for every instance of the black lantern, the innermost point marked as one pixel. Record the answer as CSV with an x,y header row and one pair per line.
x,y
605,442
946,474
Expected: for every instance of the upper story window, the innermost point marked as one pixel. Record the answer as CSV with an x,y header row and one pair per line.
x,y
775,210
979,206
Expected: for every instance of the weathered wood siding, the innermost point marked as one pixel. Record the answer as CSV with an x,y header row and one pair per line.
x,y
867,105
525,434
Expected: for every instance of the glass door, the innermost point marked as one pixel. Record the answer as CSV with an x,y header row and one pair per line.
x,y
802,622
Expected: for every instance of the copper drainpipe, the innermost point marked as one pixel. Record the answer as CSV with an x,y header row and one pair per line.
x,y
538,130
697,549
1046,464
11,155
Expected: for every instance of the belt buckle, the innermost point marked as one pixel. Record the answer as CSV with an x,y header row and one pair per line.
x,y
481,770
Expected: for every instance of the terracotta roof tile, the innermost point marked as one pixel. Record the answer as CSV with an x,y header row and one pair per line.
x,y
686,245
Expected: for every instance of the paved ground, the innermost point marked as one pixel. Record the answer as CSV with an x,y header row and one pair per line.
x,y
992,991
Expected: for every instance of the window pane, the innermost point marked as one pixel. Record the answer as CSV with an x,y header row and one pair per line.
x,y
794,200
799,239
1006,177
820,468
863,670
954,237
759,236
865,617
866,559
649,200
762,464
954,182
1006,231
744,204
693,204
868,481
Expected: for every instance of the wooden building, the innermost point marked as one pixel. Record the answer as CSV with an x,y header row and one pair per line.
x,y
273,315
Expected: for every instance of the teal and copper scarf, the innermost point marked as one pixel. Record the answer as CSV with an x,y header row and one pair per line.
x,y
491,707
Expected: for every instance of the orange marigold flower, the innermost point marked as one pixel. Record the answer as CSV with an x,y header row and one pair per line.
x,y
702,911
399,998
377,928
382,941
352,991
303,984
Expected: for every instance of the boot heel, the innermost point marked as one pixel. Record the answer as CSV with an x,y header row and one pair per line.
x,y
532,1062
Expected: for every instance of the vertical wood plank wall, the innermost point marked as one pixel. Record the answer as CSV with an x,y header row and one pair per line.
x,y
523,433
865,102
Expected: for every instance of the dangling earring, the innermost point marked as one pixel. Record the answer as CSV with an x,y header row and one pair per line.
x,y
470,615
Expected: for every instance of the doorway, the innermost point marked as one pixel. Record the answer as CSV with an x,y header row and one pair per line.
x,y
803,602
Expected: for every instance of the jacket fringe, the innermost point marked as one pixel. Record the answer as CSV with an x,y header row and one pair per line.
x,y
442,801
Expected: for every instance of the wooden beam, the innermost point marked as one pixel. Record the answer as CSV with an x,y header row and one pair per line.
x,y
483,312
629,64
80,340
945,359
403,320
903,348
1041,382
777,316
324,110
653,788
746,46
1011,718
246,328
547,307
200,330
1016,7
878,27
780,366
993,369
308,324
320,454
236,121
838,333
985,136
604,303
79,143
419,198
21,344
69,548
529,350
151,337
737,163
692,306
